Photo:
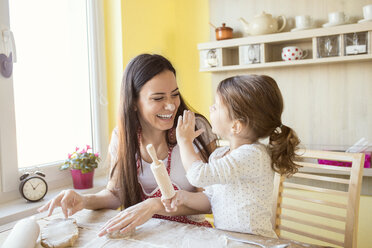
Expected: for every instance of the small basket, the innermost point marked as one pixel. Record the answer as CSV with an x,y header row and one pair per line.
x,y
367,162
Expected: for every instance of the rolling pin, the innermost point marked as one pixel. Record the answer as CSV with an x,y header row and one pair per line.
x,y
23,235
161,175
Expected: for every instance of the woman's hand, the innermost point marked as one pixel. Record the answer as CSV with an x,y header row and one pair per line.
x,y
171,205
69,200
185,131
131,217
193,200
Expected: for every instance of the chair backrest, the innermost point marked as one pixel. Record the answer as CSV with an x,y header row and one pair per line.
x,y
320,203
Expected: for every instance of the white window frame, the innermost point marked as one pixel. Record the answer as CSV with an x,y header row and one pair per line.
x,y
9,172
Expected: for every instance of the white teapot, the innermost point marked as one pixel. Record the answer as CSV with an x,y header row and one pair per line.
x,y
263,24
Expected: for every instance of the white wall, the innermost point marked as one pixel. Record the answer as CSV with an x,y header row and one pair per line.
x,y
329,105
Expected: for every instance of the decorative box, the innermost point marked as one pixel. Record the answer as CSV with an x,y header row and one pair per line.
x,y
210,58
356,43
328,46
249,54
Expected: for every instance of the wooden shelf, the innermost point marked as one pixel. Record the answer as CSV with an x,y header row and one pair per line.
x,y
228,51
290,63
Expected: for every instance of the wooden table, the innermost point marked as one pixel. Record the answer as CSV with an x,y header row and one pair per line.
x,y
154,233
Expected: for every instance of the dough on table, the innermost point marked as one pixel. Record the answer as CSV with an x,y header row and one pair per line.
x,y
59,233
119,235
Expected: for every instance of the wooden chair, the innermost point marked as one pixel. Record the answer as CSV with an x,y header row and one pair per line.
x,y
309,208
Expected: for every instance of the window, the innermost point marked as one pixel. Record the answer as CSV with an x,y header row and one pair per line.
x,y
54,100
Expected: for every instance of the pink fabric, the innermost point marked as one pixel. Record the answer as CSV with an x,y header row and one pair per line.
x,y
367,162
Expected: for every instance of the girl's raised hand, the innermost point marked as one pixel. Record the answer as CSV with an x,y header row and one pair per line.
x,y
185,131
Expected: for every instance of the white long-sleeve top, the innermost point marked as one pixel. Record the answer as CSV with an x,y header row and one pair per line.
x,y
239,186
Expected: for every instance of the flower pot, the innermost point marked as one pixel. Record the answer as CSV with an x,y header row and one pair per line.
x,y
82,180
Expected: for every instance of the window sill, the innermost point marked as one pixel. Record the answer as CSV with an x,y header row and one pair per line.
x,y
18,209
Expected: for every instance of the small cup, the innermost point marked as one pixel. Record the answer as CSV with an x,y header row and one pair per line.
x,y
303,21
293,53
336,17
367,12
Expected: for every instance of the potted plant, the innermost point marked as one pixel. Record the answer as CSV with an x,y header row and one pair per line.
x,y
82,164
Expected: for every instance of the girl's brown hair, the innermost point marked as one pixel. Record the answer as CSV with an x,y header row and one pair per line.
x,y
256,101
137,73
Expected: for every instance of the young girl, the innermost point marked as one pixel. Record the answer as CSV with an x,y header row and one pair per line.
x,y
238,179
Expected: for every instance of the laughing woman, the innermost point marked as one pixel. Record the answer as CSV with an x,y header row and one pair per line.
x,y
150,103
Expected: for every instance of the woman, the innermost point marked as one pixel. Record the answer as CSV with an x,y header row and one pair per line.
x,y
150,103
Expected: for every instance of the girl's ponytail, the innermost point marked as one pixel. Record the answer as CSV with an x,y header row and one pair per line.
x,y
283,144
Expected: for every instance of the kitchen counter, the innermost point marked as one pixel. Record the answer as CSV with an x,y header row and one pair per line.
x,y
154,233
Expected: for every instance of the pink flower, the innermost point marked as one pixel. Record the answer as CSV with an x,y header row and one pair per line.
x,y
83,151
88,147
69,155
76,149
96,154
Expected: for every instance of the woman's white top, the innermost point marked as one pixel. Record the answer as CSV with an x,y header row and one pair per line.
x,y
239,186
177,172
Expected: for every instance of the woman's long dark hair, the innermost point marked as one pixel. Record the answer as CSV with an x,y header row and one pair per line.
x,y
138,72
257,102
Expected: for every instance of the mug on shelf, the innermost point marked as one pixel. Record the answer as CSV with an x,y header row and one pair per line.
x,y
293,53
303,22
336,18
367,12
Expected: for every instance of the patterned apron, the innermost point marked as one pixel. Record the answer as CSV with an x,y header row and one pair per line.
x,y
157,193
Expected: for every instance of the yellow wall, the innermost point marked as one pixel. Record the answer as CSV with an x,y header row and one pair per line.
x,y
171,28
114,58
192,17
365,222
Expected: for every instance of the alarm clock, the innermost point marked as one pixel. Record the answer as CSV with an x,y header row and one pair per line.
x,y
33,188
